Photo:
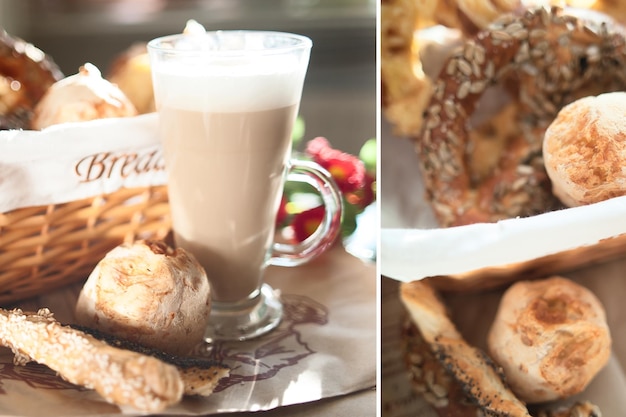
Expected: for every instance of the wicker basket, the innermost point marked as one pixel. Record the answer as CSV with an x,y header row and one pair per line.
x,y
42,248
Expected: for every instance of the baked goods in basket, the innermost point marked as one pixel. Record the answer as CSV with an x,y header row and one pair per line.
x,y
470,367
430,379
130,71
454,377
44,246
26,72
150,294
471,16
550,337
401,24
477,168
445,395
81,97
544,60
405,88
584,150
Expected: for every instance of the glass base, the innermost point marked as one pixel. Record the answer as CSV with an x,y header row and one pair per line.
x,y
243,323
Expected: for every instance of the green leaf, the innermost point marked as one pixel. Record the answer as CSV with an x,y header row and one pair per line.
x,y
368,153
348,221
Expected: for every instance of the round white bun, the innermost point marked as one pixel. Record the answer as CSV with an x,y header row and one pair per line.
x,y
81,97
550,337
584,150
150,294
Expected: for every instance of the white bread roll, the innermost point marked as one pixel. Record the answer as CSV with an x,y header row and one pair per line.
x,y
131,72
550,337
584,150
150,294
81,97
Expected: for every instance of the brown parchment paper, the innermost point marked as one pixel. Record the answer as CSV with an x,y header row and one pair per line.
x,y
473,308
324,349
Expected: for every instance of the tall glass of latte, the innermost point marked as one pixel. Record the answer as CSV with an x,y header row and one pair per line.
x,y
227,102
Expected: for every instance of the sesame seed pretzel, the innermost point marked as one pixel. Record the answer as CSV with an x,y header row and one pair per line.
x,y
544,59
25,75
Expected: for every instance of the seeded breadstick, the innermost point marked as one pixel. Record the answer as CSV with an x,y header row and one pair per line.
x,y
430,379
470,367
200,376
122,377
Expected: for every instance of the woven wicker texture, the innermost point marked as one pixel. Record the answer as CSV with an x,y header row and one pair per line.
x,y
42,248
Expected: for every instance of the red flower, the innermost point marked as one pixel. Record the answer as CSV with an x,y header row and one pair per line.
x,y
366,195
307,222
347,170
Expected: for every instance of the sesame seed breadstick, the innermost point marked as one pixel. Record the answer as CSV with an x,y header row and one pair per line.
x,y
200,375
431,380
120,376
469,366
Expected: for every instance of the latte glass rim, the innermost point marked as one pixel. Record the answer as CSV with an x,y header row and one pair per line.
x,y
287,43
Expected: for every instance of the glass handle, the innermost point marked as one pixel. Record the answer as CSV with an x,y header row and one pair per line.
x,y
286,254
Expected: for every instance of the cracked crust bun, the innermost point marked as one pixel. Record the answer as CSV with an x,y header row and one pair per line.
x,y
149,294
585,148
550,337
81,97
